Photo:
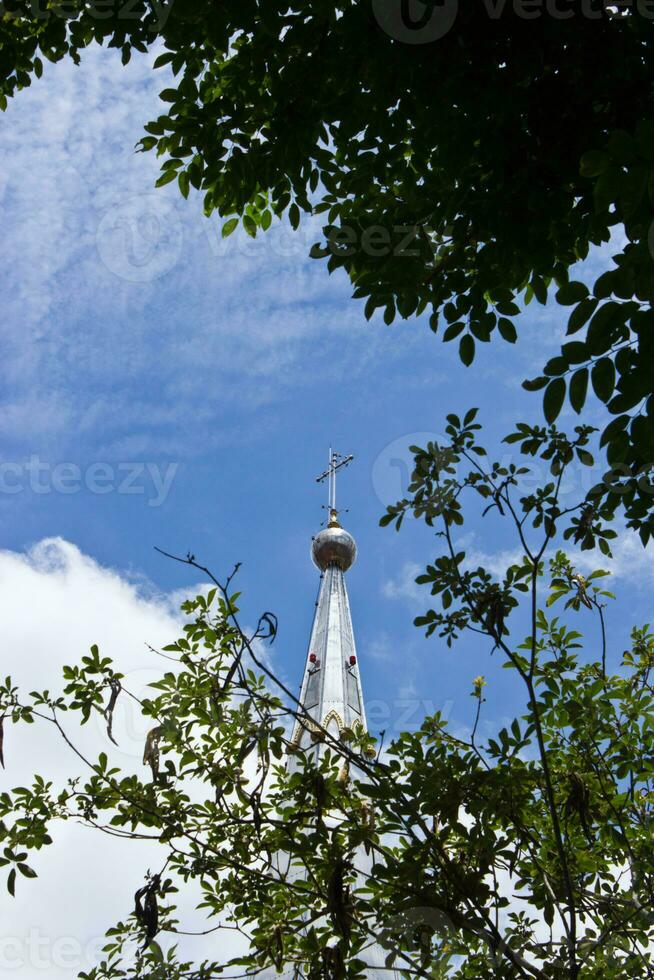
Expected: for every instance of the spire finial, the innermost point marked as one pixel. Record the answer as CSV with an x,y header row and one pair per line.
x,y
336,462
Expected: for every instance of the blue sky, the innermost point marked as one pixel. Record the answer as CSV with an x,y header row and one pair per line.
x,y
140,347
137,345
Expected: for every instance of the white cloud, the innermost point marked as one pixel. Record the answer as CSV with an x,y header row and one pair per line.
x,y
496,563
631,563
56,603
403,586
127,314
380,648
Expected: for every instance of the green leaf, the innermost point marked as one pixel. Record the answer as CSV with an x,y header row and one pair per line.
x,y
594,163
603,325
453,331
556,365
621,147
581,314
184,182
294,215
147,143
575,352
603,378
507,330
371,305
535,384
606,188
578,389
613,429
166,178
163,59
572,293
540,290
554,398
645,139
467,349
155,949
229,226
11,882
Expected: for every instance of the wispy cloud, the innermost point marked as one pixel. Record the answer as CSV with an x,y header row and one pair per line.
x,y
403,586
126,313
631,564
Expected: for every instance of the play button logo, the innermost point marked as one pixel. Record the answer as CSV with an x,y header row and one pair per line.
x,y
415,22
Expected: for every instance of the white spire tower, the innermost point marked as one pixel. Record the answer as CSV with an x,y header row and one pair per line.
x,y
331,691
331,687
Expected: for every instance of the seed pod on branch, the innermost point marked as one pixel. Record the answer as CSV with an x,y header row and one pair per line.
x,y
582,593
116,688
267,627
344,775
334,967
339,904
578,802
146,909
320,790
278,948
367,817
151,750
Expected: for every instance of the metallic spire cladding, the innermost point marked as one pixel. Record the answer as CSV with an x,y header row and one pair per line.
x,y
331,693
331,687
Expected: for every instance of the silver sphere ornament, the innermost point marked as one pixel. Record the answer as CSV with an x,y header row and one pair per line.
x,y
335,546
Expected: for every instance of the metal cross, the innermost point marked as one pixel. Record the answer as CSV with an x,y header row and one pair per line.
x,y
336,462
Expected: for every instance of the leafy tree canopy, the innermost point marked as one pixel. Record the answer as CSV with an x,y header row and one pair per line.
x,y
461,177
522,853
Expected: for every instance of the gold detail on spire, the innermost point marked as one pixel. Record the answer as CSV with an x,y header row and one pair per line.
x,y
333,716
333,518
303,725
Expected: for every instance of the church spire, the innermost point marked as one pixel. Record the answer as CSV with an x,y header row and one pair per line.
x,y
331,693
331,687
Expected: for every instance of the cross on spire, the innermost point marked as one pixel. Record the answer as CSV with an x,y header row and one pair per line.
x,y
336,462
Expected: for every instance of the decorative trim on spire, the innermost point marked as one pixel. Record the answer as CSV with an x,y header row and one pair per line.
x,y
303,725
333,715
